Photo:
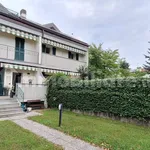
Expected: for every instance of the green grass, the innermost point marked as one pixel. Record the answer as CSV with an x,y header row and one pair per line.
x,y
13,137
102,132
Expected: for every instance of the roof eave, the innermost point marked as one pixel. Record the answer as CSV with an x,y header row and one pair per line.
x,y
44,28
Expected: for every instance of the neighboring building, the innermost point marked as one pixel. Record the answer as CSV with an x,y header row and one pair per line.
x,y
29,49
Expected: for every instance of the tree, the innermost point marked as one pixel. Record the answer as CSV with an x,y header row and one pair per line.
x,y
110,63
124,64
138,73
147,65
95,59
103,63
83,71
124,68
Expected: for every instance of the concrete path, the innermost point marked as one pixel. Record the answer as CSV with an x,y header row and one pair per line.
x,y
54,136
25,115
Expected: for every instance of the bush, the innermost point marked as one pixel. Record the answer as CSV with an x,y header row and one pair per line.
x,y
129,97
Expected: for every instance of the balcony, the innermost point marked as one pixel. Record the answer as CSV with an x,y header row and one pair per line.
x,y
61,62
8,52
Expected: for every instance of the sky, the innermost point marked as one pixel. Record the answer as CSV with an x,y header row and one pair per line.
x,y
118,24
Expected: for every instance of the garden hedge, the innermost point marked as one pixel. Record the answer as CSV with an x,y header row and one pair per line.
x,y
121,97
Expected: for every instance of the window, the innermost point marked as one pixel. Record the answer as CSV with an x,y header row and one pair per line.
x,y
70,55
54,51
45,49
77,56
19,49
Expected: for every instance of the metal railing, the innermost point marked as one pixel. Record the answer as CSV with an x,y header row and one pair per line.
x,y
19,94
8,52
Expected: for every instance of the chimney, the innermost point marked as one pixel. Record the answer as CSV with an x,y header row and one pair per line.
x,y
23,13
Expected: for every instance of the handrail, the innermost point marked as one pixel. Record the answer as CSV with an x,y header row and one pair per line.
x,y
19,94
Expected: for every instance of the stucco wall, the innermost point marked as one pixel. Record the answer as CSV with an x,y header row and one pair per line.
x,y
65,41
61,60
61,63
7,48
25,77
64,53
32,48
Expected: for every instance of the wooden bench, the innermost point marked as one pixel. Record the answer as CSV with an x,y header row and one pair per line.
x,y
35,104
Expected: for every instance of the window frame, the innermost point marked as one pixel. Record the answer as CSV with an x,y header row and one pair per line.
x,y
54,51
77,56
70,55
45,49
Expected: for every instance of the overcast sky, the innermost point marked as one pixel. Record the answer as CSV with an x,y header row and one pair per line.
x,y
118,24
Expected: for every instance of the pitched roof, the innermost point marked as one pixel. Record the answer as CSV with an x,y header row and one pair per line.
x,y
8,14
3,9
51,26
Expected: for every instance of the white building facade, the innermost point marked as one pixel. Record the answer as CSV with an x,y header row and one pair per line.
x,y
28,50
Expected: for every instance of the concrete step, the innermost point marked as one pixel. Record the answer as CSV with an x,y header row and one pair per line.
x,y
18,110
5,115
10,108
9,105
8,100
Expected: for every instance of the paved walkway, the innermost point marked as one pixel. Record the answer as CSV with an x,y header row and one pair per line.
x,y
54,136
25,115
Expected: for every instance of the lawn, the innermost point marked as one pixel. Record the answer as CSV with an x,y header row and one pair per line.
x,y
102,132
13,137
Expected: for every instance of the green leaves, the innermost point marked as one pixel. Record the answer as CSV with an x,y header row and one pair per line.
x,y
126,97
103,63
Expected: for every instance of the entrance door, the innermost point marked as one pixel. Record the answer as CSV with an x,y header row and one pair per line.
x,y
1,81
16,79
19,51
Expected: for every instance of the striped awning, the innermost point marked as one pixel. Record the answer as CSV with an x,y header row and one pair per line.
x,y
63,46
17,32
59,71
29,68
19,67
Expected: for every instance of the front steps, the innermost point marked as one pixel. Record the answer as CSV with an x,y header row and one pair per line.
x,y
9,108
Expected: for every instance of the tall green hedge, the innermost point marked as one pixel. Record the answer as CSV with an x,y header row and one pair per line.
x,y
120,97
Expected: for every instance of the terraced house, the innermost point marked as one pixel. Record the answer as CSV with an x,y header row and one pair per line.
x,y
29,50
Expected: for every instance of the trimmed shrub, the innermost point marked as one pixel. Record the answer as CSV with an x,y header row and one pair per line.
x,y
129,97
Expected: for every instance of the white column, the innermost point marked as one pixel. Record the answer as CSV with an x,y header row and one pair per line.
x,y
39,77
40,49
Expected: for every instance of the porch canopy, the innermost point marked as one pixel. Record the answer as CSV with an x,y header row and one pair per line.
x,y
13,31
20,67
42,69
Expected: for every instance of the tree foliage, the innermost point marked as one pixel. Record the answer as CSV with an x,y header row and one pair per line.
x,y
124,70
124,64
103,63
147,65
83,71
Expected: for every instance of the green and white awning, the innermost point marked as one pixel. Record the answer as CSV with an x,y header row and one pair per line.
x,y
19,67
17,32
29,68
59,71
63,46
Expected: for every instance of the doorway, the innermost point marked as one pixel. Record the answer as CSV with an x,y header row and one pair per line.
x,y
16,79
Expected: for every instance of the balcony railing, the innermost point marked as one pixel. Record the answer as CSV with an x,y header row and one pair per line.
x,y
8,52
